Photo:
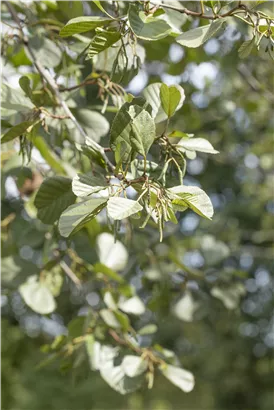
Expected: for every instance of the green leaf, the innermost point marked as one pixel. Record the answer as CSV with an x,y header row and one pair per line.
x,y
104,61
194,37
110,301
185,308
121,134
102,358
111,253
100,355
139,166
246,48
194,198
92,152
263,26
14,100
102,40
170,99
119,208
77,215
5,124
225,2
9,269
83,24
24,83
53,280
92,346
175,20
147,28
94,123
101,268
37,296
123,320
87,184
196,144
214,28
110,319
70,8
230,294
99,5
76,327
134,365
143,131
53,197
45,51
148,329
116,378
198,36
180,134
214,5
163,3
152,95
134,306
179,377
16,131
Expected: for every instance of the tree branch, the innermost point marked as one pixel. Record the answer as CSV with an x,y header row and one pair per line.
x,y
74,87
202,15
54,87
70,274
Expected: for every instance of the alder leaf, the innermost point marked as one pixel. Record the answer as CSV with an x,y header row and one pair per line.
x,y
246,48
37,296
53,197
77,215
147,28
111,253
194,198
134,306
196,144
17,131
170,99
152,95
119,208
102,40
133,365
197,36
121,134
193,38
179,377
185,308
83,24
143,132
99,5
14,100
87,184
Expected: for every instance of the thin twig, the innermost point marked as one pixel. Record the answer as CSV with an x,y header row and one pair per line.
x,y
70,274
74,87
202,15
53,85
123,342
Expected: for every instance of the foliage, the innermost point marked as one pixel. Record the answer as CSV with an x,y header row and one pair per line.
x,y
101,185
